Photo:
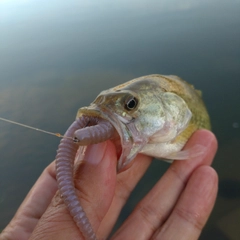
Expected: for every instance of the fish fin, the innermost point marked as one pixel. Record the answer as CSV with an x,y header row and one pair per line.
x,y
174,77
193,152
199,92
168,161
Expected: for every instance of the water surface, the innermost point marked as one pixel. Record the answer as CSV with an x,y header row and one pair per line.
x,y
57,56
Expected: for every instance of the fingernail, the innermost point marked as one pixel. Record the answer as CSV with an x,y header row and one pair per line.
x,y
95,153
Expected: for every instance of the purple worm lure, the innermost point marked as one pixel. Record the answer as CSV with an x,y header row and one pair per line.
x,y
66,153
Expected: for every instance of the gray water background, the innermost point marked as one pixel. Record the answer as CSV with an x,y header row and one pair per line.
x,y
56,56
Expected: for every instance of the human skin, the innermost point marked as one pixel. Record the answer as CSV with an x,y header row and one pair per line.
x,y
177,207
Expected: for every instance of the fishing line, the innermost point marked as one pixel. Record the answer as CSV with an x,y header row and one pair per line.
x,y
33,128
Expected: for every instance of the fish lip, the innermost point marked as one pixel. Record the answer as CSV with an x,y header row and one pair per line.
x,y
120,124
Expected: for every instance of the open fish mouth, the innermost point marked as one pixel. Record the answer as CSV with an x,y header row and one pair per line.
x,y
104,125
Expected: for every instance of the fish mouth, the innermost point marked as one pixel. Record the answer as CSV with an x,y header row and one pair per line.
x,y
126,144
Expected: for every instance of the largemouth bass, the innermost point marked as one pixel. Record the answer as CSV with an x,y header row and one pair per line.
x,y
153,114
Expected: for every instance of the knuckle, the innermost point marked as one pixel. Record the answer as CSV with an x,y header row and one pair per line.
x,y
150,216
176,173
194,218
123,190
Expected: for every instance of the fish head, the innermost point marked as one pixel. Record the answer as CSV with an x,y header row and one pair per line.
x,y
139,110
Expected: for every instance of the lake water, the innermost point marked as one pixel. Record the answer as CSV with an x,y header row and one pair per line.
x,y
56,56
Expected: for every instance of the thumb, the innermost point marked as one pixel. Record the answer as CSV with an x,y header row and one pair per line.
x,y
95,180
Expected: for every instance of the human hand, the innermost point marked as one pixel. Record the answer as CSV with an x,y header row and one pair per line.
x,y
177,207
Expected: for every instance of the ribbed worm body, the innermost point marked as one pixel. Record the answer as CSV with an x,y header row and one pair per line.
x,y
103,131
64,168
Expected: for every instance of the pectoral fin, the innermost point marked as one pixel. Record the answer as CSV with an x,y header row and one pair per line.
x,y
193,152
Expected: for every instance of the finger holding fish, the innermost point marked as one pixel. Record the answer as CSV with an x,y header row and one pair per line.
x,y
151,214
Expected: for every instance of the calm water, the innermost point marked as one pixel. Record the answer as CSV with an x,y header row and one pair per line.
x,y
57,56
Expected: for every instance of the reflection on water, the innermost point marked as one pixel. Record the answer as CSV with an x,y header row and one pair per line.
x,y
56,57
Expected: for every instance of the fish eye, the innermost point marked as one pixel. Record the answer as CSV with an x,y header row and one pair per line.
x,y
131,103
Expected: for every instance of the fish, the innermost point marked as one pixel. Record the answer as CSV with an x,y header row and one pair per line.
x,y
154,115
